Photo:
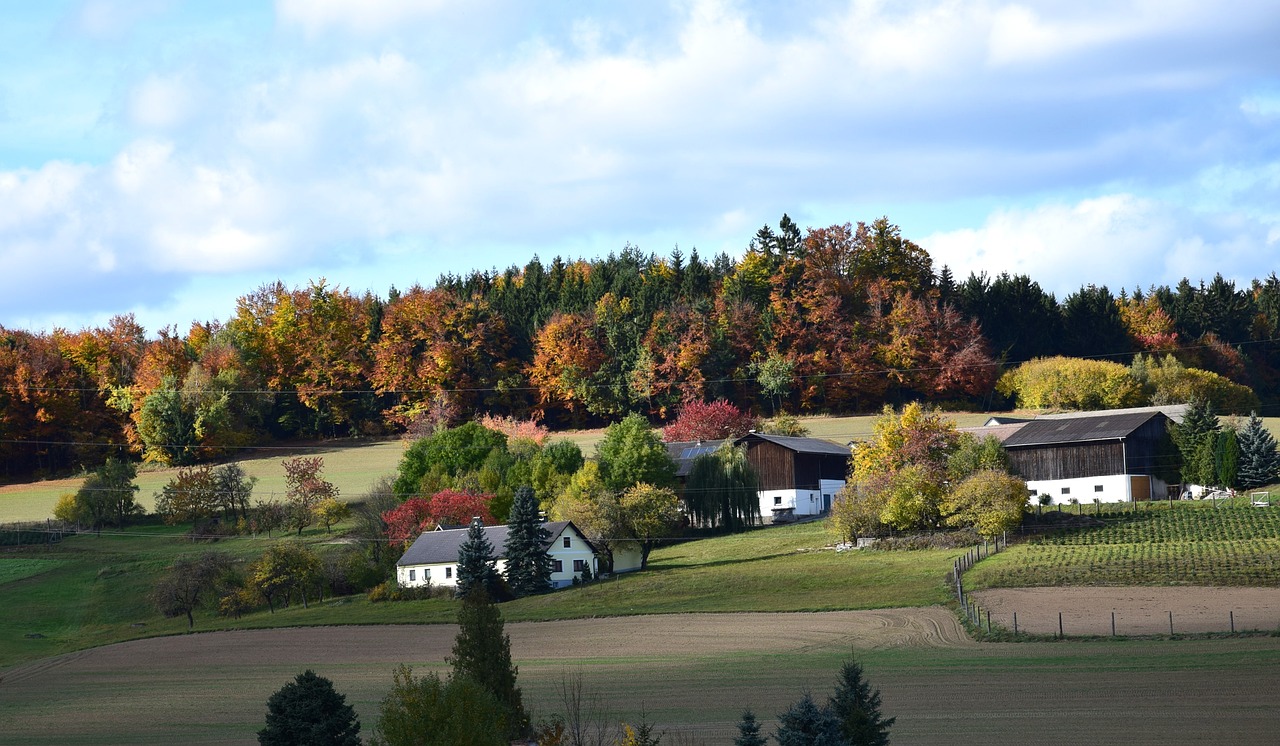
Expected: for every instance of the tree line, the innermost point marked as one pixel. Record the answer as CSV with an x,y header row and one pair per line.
x,y
837,319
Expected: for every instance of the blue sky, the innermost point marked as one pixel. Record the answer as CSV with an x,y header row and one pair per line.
x,y
163,158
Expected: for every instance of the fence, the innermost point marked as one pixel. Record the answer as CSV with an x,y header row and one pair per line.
x,y
972,611
1134,622
33,533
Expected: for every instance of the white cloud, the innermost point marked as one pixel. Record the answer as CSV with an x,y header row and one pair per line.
x,y
163,102
363,18
109,19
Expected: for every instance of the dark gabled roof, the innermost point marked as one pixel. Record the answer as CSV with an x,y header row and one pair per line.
x,y
435,547
1174,412
801,445
683,452
996,420
1085,428
1001,433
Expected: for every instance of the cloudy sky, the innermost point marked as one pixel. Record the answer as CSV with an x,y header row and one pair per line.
x,y
163,158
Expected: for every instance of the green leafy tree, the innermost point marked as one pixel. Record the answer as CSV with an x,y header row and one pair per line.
x,y
973,455
649,514
188,582
1259,463
528,564
1226,458
776,375
482,653
235,488
806,724
330,511
166,425
308,711
1072,383
107,496
476,563
428,712
857,707
594,509
990,500
722,490
285,567
749,731
631,453
432,462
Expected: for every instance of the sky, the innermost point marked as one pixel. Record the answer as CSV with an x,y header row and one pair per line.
x,y
163,158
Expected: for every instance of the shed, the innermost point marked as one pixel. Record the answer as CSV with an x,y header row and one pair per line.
x,y
797,475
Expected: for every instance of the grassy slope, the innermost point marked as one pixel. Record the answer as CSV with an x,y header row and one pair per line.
x,y
97,594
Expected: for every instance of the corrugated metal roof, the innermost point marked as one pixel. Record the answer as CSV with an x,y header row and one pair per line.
x,y
683,452
801,445
1080,429
435,547
1174,412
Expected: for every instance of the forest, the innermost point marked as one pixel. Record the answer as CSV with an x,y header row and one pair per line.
x,y
838,319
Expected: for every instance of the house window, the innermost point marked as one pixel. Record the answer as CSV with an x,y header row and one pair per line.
x,y
777,499
426,574
448,572
579,565
566,542
557,565
1034,493
1097,488
1066,490
411,577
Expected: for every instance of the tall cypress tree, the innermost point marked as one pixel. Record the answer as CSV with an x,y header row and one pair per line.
x,y
857,707
476,563
1259,463
528,564
482,653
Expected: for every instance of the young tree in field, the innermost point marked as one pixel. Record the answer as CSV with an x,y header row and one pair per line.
x,y
308,710
305,489
989,500
331,510
191,496
722,490
269,517
857,708
476,564
1259,463
428,712
107,495
631,453
784,424
528,564
749,731
806,724
285,567
649,514
234,487
715,420
776,376
189,581
482,653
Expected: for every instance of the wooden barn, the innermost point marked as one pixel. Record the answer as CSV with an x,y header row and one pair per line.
x,y
1105,456
798,476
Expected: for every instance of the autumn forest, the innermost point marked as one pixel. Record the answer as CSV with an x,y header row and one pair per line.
x,y
839,319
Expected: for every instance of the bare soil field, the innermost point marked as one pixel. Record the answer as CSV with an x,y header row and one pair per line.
x,y
693,673
1140,610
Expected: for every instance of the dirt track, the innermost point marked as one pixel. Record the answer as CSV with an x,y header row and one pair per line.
x,y
1138,610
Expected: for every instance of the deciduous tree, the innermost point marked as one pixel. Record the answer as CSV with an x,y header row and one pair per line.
x,y
305,489
426,711
189,581
631,452
649,515
715,420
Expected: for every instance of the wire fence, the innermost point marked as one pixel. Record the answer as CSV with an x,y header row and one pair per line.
x,y
972,611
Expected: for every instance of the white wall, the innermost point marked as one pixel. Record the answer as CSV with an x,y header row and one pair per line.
x,y
577,550
805,502
1114,489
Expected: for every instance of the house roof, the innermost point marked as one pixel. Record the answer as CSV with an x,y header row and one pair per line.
x,y
437,547
1082,428
1001,432
1174,412
683,452
801,445
998,419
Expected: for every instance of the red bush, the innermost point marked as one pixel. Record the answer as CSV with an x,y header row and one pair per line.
x,y
449,507
710,421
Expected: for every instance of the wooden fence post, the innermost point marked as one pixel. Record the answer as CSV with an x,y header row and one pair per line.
x,y
1060,635
1015,624
1171,624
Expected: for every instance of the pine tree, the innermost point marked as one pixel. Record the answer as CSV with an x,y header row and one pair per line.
x,y
806,724
476,563
749,731
308,710
482,653
1191,435
528,564
857,707
1259,463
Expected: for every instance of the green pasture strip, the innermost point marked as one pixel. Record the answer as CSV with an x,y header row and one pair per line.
x,y
1184,521
1141,692
1249,562
99,594
17,569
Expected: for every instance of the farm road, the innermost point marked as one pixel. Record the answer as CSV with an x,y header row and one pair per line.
x,y
1138,610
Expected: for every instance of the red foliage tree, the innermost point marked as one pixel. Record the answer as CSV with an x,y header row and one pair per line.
x,y
448,507
709,421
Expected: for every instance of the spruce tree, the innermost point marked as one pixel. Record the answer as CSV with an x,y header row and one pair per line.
x,y
482,653
476,563
857,707
1259,463
308,710
528,564
806,724
1194,437
748,731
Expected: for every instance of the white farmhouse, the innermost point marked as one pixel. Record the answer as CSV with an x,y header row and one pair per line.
x,y
433,558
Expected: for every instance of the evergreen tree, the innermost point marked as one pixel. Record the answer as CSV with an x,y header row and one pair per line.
x,y
857,707
806,724
749,731
309,711
482,653
1194,437
1259,463
476,563
528,564
1226,458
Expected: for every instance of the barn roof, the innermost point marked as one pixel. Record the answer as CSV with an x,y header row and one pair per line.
x,y
801,445
1082,428
683,452
436,547
1174,412
1001,432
